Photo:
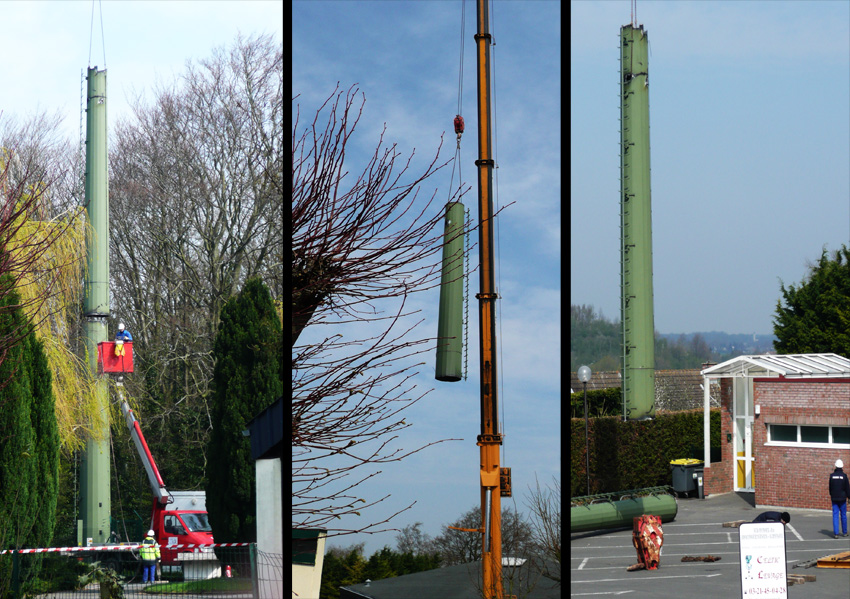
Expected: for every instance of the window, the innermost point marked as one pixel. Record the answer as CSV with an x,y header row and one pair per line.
x,y
172,526
814,434
304,551
197,522
808,436
780,432
841,434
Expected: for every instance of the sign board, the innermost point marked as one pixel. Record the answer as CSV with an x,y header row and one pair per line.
x,y
762,559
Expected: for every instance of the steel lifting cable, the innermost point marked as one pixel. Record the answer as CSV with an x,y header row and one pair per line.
x,y
91,32
458,120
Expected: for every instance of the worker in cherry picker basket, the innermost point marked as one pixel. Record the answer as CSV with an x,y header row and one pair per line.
x,y
149,552
120,337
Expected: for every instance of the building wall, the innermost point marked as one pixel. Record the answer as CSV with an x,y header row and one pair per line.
x,y
270,526
718,477
792,476
307,580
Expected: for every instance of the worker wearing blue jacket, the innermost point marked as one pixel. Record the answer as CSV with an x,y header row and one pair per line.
x,y
839,491
121,337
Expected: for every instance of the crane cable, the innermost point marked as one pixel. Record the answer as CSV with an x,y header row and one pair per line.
x,y
458,121
91,32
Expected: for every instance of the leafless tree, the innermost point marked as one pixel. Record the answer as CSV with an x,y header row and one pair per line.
x,y
545,507
360,248
196,201
411,539
460,547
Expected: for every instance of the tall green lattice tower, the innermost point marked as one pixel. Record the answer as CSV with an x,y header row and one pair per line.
x,y
95,506
636,308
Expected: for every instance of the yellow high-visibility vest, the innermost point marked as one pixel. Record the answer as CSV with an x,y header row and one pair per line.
x,y
149,551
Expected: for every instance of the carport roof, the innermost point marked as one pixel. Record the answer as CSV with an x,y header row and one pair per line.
x,y
797,366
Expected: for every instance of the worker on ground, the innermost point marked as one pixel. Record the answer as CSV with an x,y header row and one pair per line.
x,y
120,337
783,517
839,491
149,552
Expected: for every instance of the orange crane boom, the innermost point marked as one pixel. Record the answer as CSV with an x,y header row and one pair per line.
x,y
494,481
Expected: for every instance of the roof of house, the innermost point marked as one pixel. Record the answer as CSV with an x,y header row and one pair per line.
x,y
599,380
453,582
674,389
792,366
680,390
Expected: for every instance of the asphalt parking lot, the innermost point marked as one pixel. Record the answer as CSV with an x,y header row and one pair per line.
x,y
598,560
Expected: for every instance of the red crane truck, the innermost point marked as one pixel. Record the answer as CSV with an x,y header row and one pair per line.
x,y
179,517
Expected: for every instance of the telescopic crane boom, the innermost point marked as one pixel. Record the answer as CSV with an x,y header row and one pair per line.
x,y
160,493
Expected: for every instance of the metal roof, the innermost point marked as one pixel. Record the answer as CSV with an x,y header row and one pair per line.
x,y
796,366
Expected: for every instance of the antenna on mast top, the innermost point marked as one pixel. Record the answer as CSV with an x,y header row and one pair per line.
x,y
634,13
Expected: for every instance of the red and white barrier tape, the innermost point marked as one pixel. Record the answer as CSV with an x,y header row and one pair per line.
x,y
121,548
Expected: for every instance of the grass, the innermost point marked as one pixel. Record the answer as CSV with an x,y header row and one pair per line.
x,y
213,585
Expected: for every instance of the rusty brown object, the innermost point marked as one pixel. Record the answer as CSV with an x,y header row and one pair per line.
x,y
647,538
701,558
734,523
634,567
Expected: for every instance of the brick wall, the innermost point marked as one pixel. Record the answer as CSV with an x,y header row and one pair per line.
x,y
718,478
797,476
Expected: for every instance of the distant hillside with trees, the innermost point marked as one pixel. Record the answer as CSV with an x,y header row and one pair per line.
x,y
596,342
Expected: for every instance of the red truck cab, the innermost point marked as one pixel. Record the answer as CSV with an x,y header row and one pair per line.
x,y
181,522
179,517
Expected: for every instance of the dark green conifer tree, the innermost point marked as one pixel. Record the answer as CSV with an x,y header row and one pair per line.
x,y
47,445
246,380
29,438
812,317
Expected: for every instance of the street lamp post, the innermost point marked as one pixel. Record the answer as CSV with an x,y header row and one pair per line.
x,y
584,376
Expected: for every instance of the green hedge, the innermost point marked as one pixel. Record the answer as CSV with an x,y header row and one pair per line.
x,y
635,454
601,402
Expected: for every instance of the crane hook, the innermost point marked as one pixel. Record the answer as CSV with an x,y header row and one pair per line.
x,y
458,127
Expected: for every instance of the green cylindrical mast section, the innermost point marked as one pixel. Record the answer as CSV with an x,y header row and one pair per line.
x,y
636,227
450,324
94,484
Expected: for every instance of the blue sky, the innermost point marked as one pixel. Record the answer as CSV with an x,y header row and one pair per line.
x,y
145,42
750,141
404,56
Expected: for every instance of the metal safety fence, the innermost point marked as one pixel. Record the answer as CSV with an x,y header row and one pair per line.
x,y
235,570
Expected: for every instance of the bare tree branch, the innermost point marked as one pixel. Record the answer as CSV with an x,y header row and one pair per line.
x,y
361,246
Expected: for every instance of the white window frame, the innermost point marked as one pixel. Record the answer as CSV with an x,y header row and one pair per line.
x,y
828,445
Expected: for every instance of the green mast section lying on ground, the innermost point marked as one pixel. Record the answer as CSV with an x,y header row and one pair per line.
x,y
94,484
636,228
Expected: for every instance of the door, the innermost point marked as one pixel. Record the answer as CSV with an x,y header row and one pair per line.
x,y
742,392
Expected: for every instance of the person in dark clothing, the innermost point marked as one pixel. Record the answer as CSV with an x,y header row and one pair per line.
x,y
783,517
839,491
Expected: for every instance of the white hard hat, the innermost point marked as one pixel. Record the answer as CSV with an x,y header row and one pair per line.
x,y
839,464
120,326
150,533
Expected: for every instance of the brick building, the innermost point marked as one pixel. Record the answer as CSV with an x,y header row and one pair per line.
x,y
785,420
